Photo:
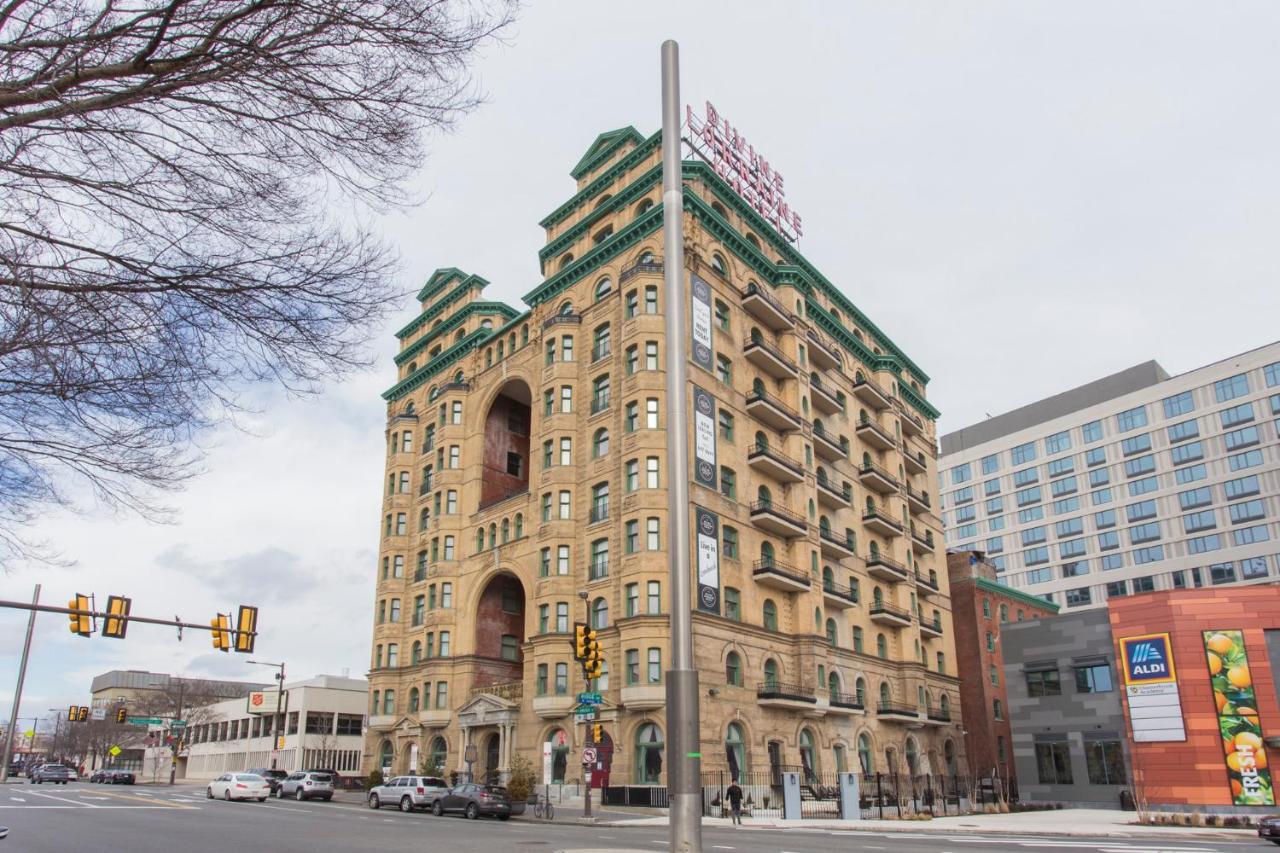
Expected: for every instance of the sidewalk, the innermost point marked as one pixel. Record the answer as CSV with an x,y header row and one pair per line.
x,y
1059,822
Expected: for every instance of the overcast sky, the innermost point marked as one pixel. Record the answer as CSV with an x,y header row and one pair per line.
x,y
1025,196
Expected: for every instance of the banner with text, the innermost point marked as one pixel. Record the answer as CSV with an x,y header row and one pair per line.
x,y
1237,704
707,528
700,323
704,438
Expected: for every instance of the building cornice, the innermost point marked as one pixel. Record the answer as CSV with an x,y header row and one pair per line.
x,y
453,322
1016,595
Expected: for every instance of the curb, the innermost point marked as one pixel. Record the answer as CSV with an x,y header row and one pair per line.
x,y
1206,835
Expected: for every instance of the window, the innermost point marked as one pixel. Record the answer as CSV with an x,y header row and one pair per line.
x,y
1197,521
1025,477
1183,431
991,487
566,505
1140,510
990,464
1248,459
1132,419
1065,486
724,370
1148,555
1105,761
1067,550
632,661
562,617
562,560
1240,438
728,483
599,567
1110,562
1190,475
995,506
1272,374
1117,589
510,648
1023,453
1231,387
1108,539
722,315
1184,453
1139,466
1057,443
1178,404
631,475
1250,535
1094,678
1144,584
1091,431
1033,535
1240,513
631,537
729,543
1240,414
1028,496
566,398
1204,544
961,474
1079,597
654,597
1070,527
653,535
651,413
1053,763
651,299
962,496
1148,532
1058,467
1035,556
769,614
732,604
997,709
1136,444
1099,477
1241,487
655,666
651,472
733,669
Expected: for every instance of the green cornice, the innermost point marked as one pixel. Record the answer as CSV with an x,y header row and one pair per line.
x,y
1015,594
639,228
437,364
609,176
442,277
435,310
603,148
909,394
824,321
636,189
453,322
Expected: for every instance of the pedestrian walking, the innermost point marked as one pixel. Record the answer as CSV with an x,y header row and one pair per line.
x,y
735,803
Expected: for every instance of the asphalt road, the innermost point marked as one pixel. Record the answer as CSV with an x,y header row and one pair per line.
x,y
105,819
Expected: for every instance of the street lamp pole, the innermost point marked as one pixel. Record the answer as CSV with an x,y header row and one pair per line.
x,y
17,694
684,764
276,743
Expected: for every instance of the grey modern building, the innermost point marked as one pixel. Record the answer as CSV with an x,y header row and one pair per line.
x,y
1066,719
1135,482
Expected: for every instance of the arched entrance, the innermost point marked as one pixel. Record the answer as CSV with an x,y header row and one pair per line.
x,y
491,760
506,444
649,745
386,754
499,630
559,754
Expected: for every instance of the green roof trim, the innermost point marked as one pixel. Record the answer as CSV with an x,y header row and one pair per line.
x,y
638,188
453,322
1015,594
603,148
609,176
631,234
454,295
437,364
440,278
909,394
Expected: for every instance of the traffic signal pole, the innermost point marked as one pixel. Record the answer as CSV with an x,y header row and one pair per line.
x,y
17,693
684,764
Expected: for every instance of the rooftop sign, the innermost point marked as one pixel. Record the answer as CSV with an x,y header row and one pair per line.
x,y
715,140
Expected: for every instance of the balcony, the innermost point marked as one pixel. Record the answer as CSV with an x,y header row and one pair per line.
x,y
877,479
759,303
937,718
911,424
839,596
830,496
434,718
913,460
917,502
644,697
887,614
870,393
921,543
776,464
381,721
512,691
931,629
823,396
844,703
875,435
834,546
822,352
653,267
777,694
827,446
780,576
928,585
883,568
560,319
455,386
892,712
768,516
554,707
877,522
769,359
772,412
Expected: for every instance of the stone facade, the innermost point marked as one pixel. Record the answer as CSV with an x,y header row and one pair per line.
x,y
980,607
525,491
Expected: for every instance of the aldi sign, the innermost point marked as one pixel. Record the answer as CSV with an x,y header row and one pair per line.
x,y
1151,689
1147,660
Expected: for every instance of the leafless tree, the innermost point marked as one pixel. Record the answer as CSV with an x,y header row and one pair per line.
x,y
183,189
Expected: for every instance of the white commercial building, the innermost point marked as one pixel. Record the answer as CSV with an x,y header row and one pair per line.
x,y
1138,481
321,721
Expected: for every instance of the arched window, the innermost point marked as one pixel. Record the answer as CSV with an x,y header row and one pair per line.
x,y
766,553
949,756
912,755
877,597
1004,613
649,755
416,653
603,288
753,240
519,525
806,754
719,208
493,535
601,343
874,548
882,647
770,615
857,639
643,206
647,257
828,579
599,614
565,308
757,387
718,264
733,669
735,751
770,672
831,631
885,696
566,259
600,443
833,686
480,539
413,699
437,755
762,441
824,525
944,706
860,691
385,754
506,531
866,758
764,496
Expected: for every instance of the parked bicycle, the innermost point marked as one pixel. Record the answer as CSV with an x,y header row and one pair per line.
x,y
542,808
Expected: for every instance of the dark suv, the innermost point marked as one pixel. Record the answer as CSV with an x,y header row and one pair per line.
x,y
57,774
473,799
273,777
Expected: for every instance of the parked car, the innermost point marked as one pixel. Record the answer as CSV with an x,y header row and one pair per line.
x,y
57,774
239,786
408,792
1269,828
306,785
473,800
273,777
112,776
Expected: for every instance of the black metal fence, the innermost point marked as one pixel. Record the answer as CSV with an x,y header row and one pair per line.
x,y
880,795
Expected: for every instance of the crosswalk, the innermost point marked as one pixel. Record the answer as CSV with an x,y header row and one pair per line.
x,y
68,797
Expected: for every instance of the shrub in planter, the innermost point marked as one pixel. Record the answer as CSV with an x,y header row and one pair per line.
x,y
374,780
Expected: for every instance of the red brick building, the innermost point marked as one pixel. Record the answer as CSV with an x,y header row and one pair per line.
x,y
1225,645
979,605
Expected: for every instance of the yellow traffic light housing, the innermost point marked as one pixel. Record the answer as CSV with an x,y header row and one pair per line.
x,y
597,733
73,713
246,628
122,714
580,634
117,621
221,625
81,621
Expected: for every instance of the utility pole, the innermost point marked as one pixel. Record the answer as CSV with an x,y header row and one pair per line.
x,y
586,685
17,693
684,764
176,739
276,743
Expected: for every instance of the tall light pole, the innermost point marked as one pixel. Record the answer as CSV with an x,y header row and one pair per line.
x,y
17,694
276,743
684,761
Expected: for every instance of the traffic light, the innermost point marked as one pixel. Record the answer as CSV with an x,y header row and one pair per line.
x,y
81,621
221,625
72,713
78,714
246,628
597,733
117,620
84,714
592,655
122,714
580,634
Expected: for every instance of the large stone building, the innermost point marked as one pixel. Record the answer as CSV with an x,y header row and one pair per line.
x,y
525,490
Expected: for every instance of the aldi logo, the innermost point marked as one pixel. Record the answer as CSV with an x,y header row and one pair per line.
x,y
1147,659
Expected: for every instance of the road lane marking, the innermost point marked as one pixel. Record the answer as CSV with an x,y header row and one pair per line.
x,y
19,799
65,800
138,798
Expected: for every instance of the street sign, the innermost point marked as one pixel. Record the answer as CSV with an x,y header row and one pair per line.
x,y
584,716
144,721
588,755
99,714
590,698
115,751
177,724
